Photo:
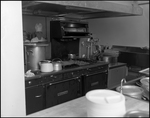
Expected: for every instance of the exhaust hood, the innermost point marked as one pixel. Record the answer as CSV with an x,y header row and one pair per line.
x,y
81,9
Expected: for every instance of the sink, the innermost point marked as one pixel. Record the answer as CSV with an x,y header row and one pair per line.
x,y
131,90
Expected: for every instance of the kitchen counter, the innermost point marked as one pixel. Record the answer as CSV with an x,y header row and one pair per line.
x,y
77,108
42,74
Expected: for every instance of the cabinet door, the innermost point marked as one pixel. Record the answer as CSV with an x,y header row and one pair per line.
x,y
95,81
35,99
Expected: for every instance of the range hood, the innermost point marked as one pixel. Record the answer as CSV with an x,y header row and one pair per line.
x,y
81,9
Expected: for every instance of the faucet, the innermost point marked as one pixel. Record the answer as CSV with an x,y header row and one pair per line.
x,y
122,81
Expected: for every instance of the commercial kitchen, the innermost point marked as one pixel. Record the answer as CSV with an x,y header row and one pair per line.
x,y
75,58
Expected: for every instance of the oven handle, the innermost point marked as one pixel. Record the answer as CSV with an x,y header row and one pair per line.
x,y
97,73
64,81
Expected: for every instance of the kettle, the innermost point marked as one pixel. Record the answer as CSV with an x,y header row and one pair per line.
x,y
46,66
57,65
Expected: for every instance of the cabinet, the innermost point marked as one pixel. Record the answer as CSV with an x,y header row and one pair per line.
x,y
60,92
35,98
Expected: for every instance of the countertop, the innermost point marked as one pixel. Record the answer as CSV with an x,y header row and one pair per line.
x,y
40,74
118,64
77,108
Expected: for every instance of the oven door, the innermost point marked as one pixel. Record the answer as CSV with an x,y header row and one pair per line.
x,y
95,81
63,91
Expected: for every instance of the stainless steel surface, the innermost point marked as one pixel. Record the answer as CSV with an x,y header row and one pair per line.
x,y
131,90
34,54
81,9
122,81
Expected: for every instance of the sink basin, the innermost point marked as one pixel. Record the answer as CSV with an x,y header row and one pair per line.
x,y
131,90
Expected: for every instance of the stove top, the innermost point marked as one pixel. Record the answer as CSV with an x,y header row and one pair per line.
x,y
76,63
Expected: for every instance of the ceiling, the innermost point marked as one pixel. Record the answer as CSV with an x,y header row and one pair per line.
x,y
80,9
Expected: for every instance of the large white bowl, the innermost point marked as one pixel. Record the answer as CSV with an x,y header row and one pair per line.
x,y
105,103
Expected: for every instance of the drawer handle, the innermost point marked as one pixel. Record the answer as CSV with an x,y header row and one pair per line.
x,y
62,93
38,96
95,83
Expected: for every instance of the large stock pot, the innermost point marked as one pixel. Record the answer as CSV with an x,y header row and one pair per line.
x,y
35,53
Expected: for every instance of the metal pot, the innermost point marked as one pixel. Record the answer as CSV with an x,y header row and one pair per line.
x,y
46,66
57,65
110,59
71,56
33,54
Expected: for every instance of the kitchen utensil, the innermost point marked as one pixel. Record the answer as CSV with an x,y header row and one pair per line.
x,y
46,66
103,103
57,65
